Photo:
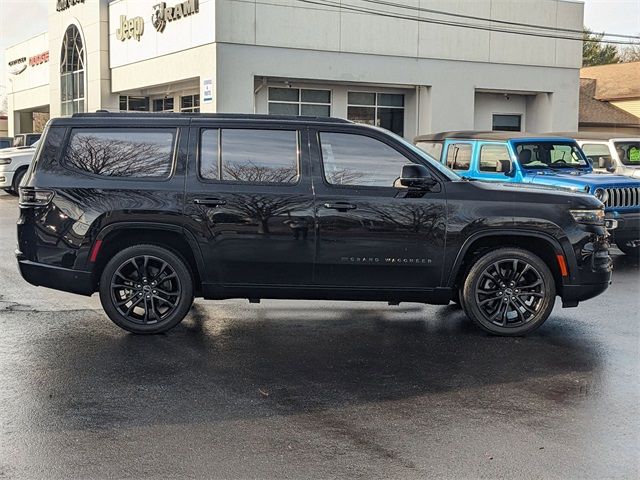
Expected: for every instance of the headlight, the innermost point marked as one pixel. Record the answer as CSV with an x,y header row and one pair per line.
x,y
5,161
601,194
588,217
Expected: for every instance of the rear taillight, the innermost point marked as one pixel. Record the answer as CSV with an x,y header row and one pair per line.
x,y
35,197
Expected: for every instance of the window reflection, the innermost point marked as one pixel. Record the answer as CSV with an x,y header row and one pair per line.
x,y
121,153
350,159
258,156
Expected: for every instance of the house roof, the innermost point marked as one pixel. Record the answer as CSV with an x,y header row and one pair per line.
x,y
601,113
617,81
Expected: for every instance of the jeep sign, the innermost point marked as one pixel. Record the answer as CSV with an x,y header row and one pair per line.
x,y
132,28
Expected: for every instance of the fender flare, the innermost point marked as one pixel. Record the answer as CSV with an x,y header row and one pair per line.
x,y
553,241
137,225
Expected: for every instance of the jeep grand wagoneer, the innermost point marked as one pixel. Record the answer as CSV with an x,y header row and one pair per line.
x,y
152,210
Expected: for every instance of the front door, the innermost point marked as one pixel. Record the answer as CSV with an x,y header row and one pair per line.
x,y
249,200
373,233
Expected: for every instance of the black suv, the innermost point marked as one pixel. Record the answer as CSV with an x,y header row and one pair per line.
x,y
152,210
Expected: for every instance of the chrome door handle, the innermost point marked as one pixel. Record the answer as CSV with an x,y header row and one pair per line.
x,y
209,202
340,206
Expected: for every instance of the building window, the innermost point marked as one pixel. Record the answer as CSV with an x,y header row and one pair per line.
x,y
134,104
507,123
72,67
271,156
190,103
385,110
163,104
299,101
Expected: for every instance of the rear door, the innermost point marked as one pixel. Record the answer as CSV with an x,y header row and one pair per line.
x,y
373,233
249,201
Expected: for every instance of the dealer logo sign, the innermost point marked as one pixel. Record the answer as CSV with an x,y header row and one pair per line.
x,y
17,66
163,14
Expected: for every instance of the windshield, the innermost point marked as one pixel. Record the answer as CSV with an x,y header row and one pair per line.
x,y
432,161
629,153
552,155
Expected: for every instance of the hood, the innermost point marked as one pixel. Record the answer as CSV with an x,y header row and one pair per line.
x,y
540,193
535,187
581,181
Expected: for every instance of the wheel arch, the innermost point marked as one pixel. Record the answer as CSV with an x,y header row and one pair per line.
x,y
116,236
545,246
19,170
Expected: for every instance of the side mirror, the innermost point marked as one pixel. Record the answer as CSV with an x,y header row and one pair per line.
x,y
511,172
416,176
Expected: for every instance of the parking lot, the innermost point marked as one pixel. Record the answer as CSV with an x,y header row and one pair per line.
x,y
315,389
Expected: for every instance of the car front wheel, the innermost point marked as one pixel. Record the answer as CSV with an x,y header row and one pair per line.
x,y
509,292
146,289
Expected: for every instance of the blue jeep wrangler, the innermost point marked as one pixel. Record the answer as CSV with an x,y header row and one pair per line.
x,y
552,161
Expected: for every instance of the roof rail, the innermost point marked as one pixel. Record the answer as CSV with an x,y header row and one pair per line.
x,y
229,116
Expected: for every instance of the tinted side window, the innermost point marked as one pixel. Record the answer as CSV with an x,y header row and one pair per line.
x,y
247,155
459,156
594,151
494,158
351,159
112,152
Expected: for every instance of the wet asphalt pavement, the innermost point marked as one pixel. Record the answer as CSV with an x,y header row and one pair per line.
x,y
315,389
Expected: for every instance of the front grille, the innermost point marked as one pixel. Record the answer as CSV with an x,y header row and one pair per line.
x,y
623,197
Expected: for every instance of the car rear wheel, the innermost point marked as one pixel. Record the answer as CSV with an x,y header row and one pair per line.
x,y
146,289
509,292
11,192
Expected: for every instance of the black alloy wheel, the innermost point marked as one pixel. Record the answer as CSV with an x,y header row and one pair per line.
x,y
509,292
146,289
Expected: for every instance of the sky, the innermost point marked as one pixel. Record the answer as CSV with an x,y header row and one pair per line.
x,y
21,19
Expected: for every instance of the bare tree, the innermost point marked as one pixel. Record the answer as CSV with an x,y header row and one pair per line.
x,y
117,158
261,208
250,172
412,217
343,176
630,53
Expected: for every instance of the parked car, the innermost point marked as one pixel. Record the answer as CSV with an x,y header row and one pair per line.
x,y
14,163
6,142
25,139
611,153
152,210
517,157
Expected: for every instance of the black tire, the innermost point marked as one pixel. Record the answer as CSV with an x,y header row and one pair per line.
x,y
628,249
17,180
11,192
150,274
509,292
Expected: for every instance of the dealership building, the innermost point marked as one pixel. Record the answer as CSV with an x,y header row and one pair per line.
x,y
400,65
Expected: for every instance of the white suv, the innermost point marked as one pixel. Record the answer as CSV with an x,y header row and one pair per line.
x,y
13,165
619,155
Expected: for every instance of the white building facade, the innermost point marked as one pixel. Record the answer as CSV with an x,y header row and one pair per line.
x,y
353,59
